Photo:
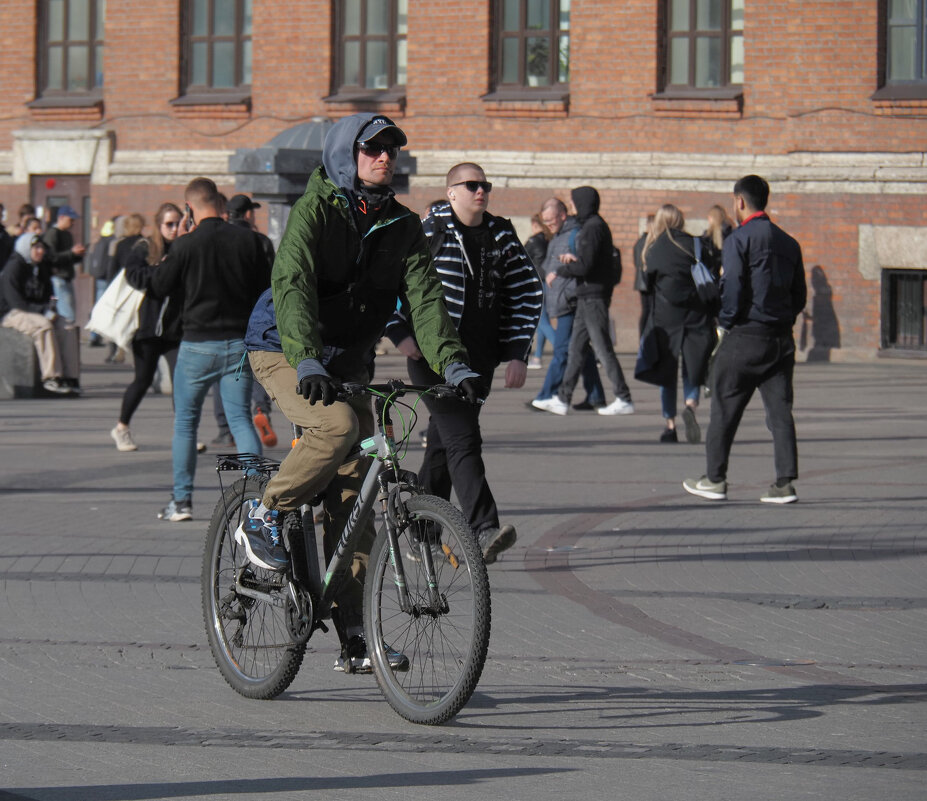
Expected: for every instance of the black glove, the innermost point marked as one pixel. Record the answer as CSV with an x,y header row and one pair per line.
x,y
318,387
472,390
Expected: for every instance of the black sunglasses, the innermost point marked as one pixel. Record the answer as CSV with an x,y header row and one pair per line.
x,y
472,186
374,149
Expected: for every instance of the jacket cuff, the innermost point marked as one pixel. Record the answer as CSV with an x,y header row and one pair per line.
x,y
457,372
308,367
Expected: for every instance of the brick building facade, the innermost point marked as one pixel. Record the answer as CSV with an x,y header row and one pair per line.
x,y
815,96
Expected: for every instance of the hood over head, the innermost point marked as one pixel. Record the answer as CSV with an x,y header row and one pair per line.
x,y
586,201
338,150
24,244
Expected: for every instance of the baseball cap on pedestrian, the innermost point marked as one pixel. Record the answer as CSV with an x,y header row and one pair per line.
x,y
239,204
382,125
67,211
36,240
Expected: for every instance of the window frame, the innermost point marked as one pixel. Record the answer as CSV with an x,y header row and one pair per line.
x,y
725,33
522,90
353,92
897,89
93,93
195,94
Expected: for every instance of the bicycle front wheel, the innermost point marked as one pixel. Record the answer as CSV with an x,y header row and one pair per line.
x,y
249,637
445,633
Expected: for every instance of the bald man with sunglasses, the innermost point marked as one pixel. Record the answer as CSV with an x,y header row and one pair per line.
x,y
493,294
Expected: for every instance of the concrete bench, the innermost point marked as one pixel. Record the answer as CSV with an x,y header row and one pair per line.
x,y
20,372
19,366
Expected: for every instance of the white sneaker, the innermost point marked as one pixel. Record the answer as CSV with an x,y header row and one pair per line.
x,y
123,438
553,405
534,363
617,406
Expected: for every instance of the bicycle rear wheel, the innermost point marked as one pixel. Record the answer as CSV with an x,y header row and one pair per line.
x,y
445,642
249,638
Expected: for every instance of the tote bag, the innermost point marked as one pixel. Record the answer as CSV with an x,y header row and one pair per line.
x,y
115,314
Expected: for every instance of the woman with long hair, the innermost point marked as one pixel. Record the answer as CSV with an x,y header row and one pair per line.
x,y
719,226
159,331
686,322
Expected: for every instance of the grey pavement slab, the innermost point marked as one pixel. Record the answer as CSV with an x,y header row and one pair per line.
x,y
645,644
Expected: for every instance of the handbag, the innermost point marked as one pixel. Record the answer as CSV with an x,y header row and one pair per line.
x,y
655,361
705,284
115,314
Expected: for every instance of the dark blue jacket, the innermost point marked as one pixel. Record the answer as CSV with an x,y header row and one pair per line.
x,y
763,283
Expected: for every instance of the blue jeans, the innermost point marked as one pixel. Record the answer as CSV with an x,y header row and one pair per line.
x,y
199,366
595,394
668,394
545,333
64,291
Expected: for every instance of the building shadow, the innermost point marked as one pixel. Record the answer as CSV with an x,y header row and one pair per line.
x,y
822,320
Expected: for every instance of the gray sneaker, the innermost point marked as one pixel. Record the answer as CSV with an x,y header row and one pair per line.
x,y
704,487
494,541
776,494
177,511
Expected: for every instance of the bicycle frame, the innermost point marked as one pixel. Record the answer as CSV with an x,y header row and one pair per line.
x,y
384,471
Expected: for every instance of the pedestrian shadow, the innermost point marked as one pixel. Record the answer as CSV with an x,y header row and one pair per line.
x,y
825,328
259,788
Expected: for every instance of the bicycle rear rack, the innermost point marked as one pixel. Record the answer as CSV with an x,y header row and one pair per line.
x,y
247,463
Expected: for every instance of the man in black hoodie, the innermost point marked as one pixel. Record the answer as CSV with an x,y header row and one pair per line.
x,y
590,263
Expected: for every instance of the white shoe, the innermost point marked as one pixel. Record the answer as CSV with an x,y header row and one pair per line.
x,y
123,438
534,363
617,406
553,405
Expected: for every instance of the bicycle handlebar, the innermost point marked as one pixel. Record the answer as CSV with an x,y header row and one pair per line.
x,y
397,388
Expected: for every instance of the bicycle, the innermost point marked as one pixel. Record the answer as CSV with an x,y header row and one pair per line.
x,y
434,608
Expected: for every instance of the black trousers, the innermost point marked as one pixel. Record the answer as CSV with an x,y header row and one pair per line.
x,y
454,454
146,353
747,361
590,326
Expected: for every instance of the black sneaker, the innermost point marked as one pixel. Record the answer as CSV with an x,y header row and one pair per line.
x,y
494,541
669,435
177,511
693,430
260,537
354,658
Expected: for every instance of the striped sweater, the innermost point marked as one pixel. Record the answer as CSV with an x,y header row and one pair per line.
x,y
519,292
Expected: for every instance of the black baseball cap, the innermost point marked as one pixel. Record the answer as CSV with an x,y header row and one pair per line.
x,y
239,204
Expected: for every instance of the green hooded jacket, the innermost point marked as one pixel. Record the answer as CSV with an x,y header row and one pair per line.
x,y
333,290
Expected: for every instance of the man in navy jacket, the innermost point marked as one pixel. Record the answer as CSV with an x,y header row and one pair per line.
x,y
762,292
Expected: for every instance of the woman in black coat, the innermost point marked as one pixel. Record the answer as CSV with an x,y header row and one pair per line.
x,y
159,329
687,324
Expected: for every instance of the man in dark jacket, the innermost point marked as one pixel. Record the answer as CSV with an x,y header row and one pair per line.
x,y
221,270
63,255
762,292
591,265
25,305
349,252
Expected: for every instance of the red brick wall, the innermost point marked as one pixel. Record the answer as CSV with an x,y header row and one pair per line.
x,y
811,69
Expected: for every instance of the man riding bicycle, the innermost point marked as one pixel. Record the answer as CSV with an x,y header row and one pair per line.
x,y
349,253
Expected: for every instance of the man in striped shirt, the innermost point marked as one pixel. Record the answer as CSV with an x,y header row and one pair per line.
x,y
494,297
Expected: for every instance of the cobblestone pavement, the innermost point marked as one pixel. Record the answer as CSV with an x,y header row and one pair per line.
x,y
645,644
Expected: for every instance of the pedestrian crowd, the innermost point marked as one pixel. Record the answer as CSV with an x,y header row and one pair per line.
x,y
456,292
